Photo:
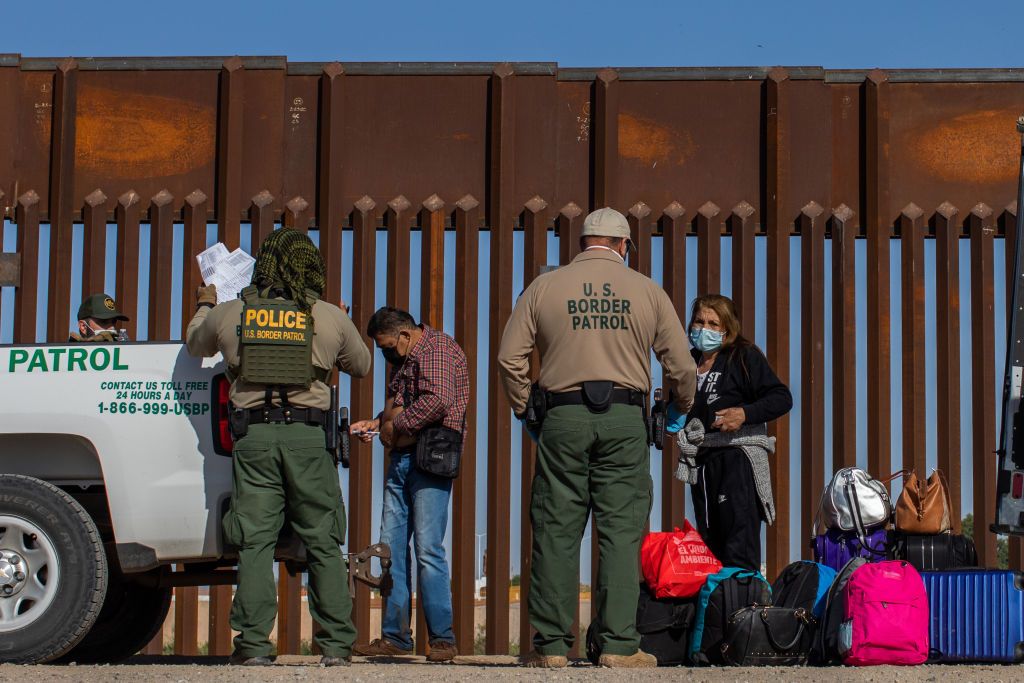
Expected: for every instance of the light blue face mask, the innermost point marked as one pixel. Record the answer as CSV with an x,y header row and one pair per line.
x,y
705,340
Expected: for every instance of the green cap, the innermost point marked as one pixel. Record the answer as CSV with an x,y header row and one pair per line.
x,y
100,307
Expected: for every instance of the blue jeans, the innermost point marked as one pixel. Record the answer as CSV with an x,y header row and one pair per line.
x,y
416,506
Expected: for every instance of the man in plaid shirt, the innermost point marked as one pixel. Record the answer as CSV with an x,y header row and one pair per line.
x,y
428,386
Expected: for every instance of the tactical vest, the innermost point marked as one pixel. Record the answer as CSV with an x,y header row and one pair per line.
x,y
275,342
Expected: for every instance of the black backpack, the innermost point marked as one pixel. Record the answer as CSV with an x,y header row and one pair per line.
x,y
804,585
825,649
724,593
664,626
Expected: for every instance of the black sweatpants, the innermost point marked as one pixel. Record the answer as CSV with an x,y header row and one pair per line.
x,y
727,508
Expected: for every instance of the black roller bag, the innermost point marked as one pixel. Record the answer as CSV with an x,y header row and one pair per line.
x,y
936,552
664,627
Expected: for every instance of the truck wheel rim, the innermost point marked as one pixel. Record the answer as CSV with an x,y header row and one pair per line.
x,y
29,573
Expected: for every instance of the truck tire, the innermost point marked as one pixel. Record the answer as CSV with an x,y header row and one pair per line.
x,y
132,614
53,571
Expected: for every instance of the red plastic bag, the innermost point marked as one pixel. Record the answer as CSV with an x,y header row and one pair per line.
x,y
676,563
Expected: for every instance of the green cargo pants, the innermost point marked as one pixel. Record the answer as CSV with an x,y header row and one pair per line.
x,y
283,471
589,462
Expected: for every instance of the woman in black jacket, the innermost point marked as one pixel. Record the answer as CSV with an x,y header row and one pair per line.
x,y
737,393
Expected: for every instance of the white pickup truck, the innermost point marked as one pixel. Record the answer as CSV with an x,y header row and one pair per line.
x,y
112,468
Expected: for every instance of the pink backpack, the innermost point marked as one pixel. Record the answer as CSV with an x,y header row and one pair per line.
x,y
886,616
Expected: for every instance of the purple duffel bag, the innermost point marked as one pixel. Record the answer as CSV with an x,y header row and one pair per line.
x,y
835,548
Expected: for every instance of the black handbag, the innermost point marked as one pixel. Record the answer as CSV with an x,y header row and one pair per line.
x,y
439,451
768,636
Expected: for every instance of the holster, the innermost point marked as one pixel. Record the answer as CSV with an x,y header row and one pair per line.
x,y
238,422
597,395
656,421
536,408
331,426
336,438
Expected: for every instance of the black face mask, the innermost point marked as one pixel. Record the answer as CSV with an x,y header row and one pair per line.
x,y
392,356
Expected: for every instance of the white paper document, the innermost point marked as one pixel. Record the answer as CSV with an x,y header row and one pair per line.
x,y
230,271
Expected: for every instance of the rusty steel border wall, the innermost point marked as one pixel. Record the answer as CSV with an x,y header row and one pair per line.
x,y
715,153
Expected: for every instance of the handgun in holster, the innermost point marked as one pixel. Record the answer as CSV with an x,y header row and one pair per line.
x,y
336,431
656,421
536,408
238,421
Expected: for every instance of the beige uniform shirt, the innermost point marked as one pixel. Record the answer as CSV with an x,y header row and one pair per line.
x,y
336,343
592,320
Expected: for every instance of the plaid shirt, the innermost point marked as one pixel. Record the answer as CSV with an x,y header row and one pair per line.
x,y
432,385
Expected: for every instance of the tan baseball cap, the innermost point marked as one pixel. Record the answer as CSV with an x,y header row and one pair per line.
x,y
607,222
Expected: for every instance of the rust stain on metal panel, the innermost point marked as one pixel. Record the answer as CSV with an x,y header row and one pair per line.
x,y
10,270
977,147
652,143
126,135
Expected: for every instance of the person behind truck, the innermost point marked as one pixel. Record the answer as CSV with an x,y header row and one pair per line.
x,y
280,406
97,321
594,323
724,446
427,393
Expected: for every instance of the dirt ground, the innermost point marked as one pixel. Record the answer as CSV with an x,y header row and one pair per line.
x,y
493,668
306,622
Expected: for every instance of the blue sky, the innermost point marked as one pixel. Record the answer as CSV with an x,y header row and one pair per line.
x,y
637,33
909,34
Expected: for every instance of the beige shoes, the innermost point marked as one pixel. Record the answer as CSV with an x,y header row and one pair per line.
x,y
535,659
638,660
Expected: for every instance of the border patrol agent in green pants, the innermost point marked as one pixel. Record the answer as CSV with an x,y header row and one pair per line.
x,y
594,323
280,341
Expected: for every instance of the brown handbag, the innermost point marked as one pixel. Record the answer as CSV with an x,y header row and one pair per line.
x,y
924,506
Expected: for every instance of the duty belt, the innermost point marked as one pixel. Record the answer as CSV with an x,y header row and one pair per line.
x,y
619,395
287,415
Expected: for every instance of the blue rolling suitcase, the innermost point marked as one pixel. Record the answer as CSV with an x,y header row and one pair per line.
x,y
977,615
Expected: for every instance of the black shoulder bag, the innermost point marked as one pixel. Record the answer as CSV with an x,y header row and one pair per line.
x,y
439,451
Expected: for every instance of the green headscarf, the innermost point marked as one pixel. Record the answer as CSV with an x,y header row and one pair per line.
x,y
289,259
